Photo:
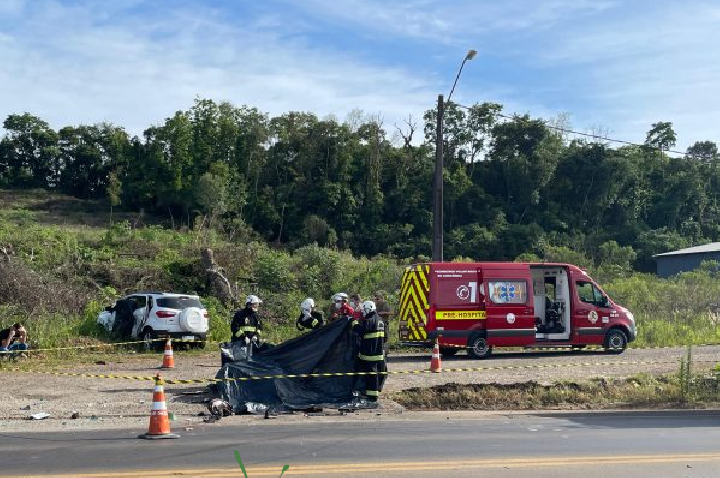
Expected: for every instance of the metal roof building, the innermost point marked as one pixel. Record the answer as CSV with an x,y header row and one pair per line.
x,y
671,263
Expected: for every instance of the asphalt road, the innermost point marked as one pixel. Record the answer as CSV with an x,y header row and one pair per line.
x,y
673,444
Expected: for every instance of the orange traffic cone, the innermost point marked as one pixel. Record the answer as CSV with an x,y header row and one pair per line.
x,y
435,362
168,358
159,423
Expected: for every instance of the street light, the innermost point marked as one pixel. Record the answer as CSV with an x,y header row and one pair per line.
x,y
437,242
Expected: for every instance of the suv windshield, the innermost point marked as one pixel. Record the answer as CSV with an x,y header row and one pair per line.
x,y
178,302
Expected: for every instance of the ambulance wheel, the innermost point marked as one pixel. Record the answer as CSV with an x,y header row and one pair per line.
x,y
615,341
478,347
448,352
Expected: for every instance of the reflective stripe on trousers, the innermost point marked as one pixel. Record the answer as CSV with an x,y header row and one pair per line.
x,y
371,358
374,335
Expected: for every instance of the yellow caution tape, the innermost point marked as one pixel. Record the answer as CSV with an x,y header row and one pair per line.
x,y
112,344
345,374
516,348
577,348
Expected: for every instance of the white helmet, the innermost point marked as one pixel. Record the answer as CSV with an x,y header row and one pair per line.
x,y
368,306
339,297
253,299
307,306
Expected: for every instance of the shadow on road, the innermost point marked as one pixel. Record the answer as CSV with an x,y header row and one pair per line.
x,y
640,419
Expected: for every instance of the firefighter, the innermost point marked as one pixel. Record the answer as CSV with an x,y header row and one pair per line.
x,y
309,317
371,331
246,325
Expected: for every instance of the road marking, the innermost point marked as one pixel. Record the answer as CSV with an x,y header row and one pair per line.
x,y
344,468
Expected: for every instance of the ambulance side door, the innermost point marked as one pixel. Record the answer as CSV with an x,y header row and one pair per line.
x,y
591,310
509,306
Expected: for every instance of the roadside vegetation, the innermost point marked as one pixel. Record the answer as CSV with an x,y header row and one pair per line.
x,y
688,388
69,259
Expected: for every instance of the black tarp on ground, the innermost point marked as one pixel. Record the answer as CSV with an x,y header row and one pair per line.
x,y
329,349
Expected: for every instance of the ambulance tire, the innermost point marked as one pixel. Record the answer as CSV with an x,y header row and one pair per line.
x,y
478,347
615,341
448,352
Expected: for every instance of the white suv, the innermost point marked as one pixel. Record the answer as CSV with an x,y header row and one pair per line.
x,y
152,315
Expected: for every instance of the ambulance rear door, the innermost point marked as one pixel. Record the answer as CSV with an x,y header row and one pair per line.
x,y
457,302
509,305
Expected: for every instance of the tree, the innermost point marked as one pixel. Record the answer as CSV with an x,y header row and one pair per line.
x,y
114,192
212,192
703,151
30,152
661,136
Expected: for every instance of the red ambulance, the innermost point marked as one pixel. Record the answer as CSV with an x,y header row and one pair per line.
x,y
482,305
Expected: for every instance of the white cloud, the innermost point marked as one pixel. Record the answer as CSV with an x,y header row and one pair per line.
x,y
644,66
134,63
453,22
95,62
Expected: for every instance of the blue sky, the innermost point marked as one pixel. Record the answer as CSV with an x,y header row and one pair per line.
x,y
611,66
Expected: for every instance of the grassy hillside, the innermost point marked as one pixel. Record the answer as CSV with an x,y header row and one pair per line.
x,y
70,259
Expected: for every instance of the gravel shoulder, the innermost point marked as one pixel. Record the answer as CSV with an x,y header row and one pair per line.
x,y
121,403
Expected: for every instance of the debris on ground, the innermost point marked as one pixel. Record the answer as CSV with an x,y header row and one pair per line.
x,y
220,408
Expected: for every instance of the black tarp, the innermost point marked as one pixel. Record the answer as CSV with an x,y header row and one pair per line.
x,y
329,349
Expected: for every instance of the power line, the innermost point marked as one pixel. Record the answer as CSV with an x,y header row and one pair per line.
x,y
589,135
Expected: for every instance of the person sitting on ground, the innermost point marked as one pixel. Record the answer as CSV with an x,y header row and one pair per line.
x,y
309,317
13,338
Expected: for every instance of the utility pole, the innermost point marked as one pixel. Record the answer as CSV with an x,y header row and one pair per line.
x,y
437,242
437,238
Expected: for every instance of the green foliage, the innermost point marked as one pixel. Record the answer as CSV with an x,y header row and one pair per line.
x,y
219,318
512,187
340,202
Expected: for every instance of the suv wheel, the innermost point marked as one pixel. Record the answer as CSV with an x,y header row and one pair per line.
x,y
478,348
149,337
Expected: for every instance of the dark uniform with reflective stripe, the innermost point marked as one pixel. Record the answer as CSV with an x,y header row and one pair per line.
x,y
312,322
371,358
245,324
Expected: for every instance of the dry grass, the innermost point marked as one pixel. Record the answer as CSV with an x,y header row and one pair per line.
x,y
642,391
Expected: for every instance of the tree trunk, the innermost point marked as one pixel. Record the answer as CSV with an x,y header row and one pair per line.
x,y
217,283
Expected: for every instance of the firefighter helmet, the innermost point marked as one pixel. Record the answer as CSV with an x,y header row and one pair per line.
x,y
339,298
307,306
368,306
